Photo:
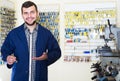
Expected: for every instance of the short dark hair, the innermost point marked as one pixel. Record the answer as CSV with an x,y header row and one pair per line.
x,y
28,4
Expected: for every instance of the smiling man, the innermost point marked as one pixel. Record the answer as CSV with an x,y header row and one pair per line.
x,y
30,48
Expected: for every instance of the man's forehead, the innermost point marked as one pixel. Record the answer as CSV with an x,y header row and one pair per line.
x,y
31,7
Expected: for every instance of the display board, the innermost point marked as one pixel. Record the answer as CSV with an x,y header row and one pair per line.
x,y
49,18
7,21
84,28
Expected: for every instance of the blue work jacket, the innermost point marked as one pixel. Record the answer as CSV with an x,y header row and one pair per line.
x,y
16,43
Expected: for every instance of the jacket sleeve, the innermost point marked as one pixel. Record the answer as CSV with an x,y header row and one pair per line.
x,y
54,51
7,49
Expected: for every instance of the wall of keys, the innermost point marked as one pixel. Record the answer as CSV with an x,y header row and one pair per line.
x,y
7,22
50,20
83,33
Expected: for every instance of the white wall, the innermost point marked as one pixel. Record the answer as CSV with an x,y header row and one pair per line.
x,y
118,12
4,73
60,71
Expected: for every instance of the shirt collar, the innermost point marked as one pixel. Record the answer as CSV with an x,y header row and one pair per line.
x,y
26,29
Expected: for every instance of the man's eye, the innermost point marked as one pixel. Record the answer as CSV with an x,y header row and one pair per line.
x,y
25,13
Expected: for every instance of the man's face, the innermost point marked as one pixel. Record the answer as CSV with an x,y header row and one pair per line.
x,y
29,15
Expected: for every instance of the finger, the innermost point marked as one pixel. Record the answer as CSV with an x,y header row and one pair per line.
x,y
44,53
35,58
10,61
13,57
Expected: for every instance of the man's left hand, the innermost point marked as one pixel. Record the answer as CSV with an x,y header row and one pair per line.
x,y
43,57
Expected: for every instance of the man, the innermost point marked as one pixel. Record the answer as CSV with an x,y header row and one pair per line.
x,y
30,48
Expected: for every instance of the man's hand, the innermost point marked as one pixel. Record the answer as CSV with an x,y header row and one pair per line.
x,y
43,57
11,59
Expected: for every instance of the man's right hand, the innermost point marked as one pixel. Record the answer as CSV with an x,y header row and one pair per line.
x,y
11,59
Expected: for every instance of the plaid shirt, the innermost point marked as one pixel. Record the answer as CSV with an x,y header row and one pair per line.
x,y
31,39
